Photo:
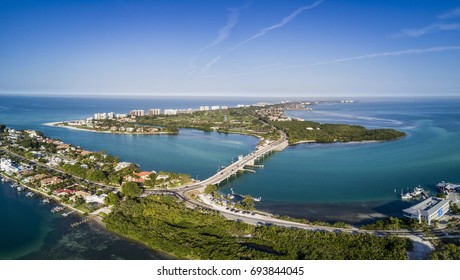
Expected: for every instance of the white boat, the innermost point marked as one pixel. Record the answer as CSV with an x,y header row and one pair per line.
x,y
46,200
405,196
417,191
20,189
57,209
257,199
30,194
68,213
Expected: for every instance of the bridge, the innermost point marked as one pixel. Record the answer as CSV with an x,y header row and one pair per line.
x,y
239,165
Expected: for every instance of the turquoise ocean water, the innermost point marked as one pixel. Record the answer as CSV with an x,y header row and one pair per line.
x,y
336,182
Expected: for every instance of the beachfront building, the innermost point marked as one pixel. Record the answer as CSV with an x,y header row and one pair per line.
x,y
9,167
204,108
170,112
433,208
100,116
137,113
154,112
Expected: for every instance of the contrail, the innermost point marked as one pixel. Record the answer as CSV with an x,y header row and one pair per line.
x,y
451,14
414,32
360,57
280,24
224,32
264,31
211,63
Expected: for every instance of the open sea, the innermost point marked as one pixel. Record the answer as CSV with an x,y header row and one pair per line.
x,y
355,183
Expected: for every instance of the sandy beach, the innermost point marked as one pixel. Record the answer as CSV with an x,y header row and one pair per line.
x,y
60,124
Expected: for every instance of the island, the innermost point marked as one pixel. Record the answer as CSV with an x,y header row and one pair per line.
x,y
262,120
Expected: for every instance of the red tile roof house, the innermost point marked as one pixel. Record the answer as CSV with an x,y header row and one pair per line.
x,y
62,192
51,181
38,177
140,177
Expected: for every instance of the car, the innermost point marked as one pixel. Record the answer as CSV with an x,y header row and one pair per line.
x,y
253,213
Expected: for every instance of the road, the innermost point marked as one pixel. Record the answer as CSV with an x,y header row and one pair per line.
x,y
256,219
59,171
234,167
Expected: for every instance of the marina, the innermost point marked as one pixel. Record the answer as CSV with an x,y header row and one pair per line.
x,y
417,193
68,213
57,209
234,194
30,194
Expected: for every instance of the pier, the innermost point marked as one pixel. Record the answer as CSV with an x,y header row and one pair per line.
x,y
249,170
90,218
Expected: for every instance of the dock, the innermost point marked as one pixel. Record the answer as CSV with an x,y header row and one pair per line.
x,y
83,221
68,213
260,166
248,170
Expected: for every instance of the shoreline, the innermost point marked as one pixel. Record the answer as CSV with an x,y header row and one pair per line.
x,y
350,142
44,194
57,124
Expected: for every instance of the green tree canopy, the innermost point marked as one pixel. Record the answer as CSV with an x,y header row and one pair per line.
x,y
97,175
210,189
130,189
248,202
111,198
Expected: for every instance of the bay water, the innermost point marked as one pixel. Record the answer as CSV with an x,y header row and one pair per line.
x,y
354,183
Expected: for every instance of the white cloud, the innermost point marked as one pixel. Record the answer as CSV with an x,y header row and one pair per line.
x,y
450,14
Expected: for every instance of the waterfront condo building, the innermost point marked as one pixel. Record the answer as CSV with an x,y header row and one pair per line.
x,y
137,113
154,112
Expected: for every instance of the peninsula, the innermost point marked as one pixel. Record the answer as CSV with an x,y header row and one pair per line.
x,y
262,120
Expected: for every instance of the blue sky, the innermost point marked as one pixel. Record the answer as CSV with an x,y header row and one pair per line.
x,y
230,47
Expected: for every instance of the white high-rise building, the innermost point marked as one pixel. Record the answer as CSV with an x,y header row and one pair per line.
x,y
137,113
100,116
215,108
154,112
204,108
170,112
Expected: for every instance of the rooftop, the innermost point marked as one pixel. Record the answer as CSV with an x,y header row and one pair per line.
x,y
427,207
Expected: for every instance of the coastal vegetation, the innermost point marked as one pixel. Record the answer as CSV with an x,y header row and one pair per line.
x,y
394,223
307,131
446,252
164,223
263,121
119,126
232,120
